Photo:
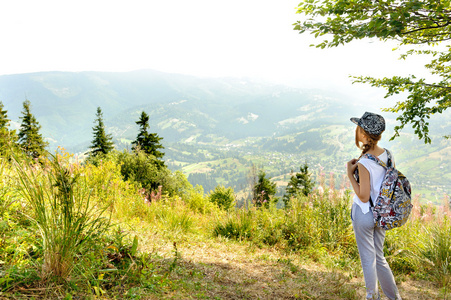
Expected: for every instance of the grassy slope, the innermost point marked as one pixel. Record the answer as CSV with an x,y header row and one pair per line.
x,y
180,259
215,268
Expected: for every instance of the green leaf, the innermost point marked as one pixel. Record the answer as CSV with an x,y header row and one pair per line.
x,y
134,246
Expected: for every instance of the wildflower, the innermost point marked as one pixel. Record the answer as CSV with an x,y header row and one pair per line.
x,y
416,207
320,190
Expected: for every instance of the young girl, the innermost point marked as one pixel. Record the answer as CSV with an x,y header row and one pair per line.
x,y
369,238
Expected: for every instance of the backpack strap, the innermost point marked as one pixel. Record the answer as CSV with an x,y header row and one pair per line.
x,y
381,163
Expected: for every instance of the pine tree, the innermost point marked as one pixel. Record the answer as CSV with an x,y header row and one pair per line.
x,y
300,183
264,190
148,142
7,136
102,142
4,121
29,139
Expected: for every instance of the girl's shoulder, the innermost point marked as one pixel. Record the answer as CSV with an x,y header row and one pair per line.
x,y
366,162
384,157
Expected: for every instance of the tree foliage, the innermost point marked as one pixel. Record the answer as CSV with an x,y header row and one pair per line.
x,y
7,136
148,142
145,169
223,197
102,142
408,22
30,139
264,190
299,184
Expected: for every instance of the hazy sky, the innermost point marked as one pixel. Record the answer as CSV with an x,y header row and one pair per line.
x,y
200,37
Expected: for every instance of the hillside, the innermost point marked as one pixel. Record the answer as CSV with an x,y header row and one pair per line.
x,y
218,127
110,242
181,107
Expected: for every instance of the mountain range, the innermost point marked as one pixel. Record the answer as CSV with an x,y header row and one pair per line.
x,y
235,116
181,107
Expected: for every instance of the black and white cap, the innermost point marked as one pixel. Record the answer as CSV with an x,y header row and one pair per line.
x,y
371,123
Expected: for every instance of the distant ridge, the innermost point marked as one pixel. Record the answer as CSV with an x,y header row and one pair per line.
x,y
181,107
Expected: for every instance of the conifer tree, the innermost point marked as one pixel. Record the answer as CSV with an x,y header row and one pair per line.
x,y
102,142
4,121
148,142
299,184
29,139
264,190
7,136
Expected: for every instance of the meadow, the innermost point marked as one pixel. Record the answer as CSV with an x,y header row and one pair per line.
x,y
80,231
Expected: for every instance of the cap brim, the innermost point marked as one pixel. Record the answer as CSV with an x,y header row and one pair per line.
x,y
355,120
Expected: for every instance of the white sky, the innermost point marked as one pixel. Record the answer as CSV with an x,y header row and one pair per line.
x,y
252,38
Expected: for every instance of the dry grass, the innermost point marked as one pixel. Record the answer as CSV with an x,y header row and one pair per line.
x,y
222,269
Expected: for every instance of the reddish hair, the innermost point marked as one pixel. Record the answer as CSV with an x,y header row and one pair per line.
x,y
372,140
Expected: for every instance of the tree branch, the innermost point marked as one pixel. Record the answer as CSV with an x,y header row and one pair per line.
x,y
427,28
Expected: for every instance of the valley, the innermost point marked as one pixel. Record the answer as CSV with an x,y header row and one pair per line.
x,y
215,129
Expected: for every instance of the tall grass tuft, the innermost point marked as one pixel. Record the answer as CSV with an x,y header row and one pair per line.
x,y
60,204
423,245
436,251
238,225
320,220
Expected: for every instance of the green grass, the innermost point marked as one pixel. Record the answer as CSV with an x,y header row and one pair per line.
x,y
184,247
61,208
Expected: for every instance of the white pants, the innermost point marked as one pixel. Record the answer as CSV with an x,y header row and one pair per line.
x,y
370,242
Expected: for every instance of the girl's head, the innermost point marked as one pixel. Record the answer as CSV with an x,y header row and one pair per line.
x,y
369,130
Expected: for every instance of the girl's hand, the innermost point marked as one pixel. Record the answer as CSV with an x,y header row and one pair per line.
x,y
351,166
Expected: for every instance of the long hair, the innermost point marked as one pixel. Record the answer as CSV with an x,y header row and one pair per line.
x,y
372,140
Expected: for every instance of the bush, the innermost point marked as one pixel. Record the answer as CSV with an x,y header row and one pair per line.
x,y
197,201
144,168
270,223
223,197
322,219
148,171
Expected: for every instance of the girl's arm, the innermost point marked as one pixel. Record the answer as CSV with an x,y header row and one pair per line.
x,y
363,189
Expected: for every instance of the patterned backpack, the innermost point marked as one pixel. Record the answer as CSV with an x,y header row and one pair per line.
x,y
393,204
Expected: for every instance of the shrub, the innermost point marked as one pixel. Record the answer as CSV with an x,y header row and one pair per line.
x,y
223,197
321,220
270,223
143,168
197,201
148,171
